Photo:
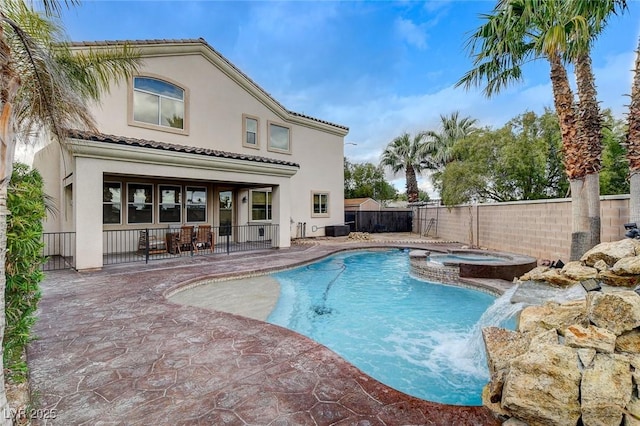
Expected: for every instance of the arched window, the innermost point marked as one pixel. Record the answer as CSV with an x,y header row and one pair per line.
x,y
158,102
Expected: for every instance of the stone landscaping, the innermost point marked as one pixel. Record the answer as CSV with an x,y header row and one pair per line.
x,y
576,361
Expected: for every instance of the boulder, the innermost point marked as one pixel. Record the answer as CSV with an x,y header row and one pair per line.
x,y
535,274
514,422
579,272
629,342
590,337
627,266
543,385
586,356
538,292
495,407
549,337
615,280
611,252
501,347
605,390
552,315
556,278
617,312
634,361
601,265
632,416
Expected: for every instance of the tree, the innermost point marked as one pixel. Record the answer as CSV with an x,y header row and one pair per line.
x,y
366,180
615,167
589,121
423,196
522,30
44,89
27,202
452,129
633,143
516,162
406,153
440,144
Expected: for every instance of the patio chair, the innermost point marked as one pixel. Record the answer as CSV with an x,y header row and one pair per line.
x,y
185,238
155,245
203,238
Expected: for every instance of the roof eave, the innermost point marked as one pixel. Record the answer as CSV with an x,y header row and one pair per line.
x,y
148,155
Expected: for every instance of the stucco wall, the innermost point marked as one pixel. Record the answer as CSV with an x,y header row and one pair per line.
x,y
216,104
541,229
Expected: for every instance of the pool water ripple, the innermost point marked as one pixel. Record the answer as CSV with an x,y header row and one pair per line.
x,y
410,334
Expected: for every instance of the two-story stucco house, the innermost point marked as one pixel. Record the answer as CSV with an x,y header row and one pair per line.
x,y
192,140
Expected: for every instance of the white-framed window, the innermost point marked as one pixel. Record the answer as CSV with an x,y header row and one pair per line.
x,y
158,102
261,205
320,204
250,136
196,204
170,204
279,138
112,203
139,203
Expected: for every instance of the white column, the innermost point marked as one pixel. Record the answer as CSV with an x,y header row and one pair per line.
x,y
281,212
87,209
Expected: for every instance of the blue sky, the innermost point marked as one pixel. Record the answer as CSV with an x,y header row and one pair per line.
x,y
379,67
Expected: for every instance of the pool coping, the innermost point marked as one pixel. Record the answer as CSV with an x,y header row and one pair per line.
x,y
111,348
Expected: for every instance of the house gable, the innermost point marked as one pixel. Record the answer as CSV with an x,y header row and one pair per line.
x,y
187,47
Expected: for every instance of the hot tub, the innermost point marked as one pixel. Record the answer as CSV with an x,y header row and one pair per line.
x,y
450,267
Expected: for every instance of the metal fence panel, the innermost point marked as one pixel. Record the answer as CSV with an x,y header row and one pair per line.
x,y
59,250
143,245
379,221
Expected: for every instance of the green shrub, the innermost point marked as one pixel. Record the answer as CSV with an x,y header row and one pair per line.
x,y
26,202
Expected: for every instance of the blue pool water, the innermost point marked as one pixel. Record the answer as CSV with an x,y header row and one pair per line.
x,y
415,336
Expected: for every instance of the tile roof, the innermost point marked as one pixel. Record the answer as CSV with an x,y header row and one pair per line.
x,y
200,40
144,143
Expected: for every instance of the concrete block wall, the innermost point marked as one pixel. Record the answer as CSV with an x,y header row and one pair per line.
x,y
539,228
614,214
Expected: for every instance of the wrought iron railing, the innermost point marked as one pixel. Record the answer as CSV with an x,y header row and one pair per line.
x,y
137,245
59,250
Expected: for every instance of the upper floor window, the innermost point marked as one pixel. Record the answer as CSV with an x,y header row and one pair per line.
x,y
158,102
279,138
250,131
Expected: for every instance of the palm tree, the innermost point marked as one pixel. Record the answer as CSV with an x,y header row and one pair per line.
x,y
633,143
452,129
44,90
406,153
588,110
523,30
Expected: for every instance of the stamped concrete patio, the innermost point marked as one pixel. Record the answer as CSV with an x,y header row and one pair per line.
x,y
112,349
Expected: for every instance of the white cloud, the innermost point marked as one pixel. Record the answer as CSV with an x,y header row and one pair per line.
x,y
613,82
413,34
376,121
437,5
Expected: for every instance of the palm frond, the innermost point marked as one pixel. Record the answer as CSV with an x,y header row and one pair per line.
x,y
55,82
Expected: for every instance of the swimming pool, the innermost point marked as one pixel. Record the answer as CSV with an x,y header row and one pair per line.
x,y
415,336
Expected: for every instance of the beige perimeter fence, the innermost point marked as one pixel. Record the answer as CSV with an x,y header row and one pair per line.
x,y
540,228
